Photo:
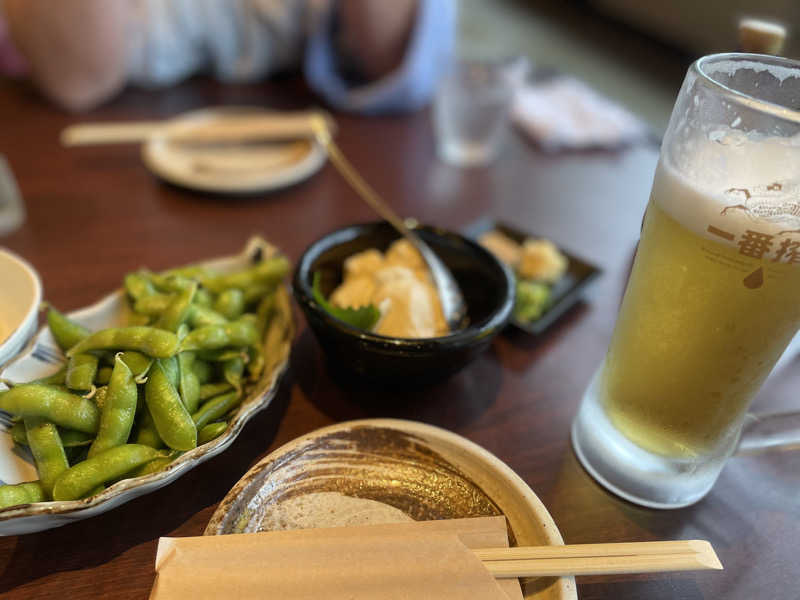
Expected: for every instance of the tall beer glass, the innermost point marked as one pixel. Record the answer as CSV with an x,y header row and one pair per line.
x,y
714,295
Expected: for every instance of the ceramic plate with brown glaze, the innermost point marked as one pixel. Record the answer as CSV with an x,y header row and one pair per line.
x,y
387,470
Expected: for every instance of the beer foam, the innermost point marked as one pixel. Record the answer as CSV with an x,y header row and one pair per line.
x,y
730,67
734,182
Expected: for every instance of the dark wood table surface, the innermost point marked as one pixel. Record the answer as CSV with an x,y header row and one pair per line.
x,y
95,213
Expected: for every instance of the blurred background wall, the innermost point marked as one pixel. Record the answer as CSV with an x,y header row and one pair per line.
x,y
633,51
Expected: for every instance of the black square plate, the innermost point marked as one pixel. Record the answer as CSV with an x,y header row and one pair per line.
x,y
567,290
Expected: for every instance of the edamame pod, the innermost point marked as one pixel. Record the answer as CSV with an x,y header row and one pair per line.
x,y
215,408
48,452
209,390
258,291
146,433
233,370
69,437
82,478
53,404
137,362
65,331
18,433
178,309
230,303
151,341
138,286
211,431
172,421
116,419
81,372
203,298
103,376
170,366
268,271
21,493
155,466
189,386
237,333
202,316
154,305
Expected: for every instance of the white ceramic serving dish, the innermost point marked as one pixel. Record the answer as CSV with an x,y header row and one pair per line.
x,y
20,295
43,357
369,471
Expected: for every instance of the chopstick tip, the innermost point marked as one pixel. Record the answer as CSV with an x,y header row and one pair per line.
x,y
705,554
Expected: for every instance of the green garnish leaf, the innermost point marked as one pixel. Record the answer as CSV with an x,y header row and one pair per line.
x,y
363,317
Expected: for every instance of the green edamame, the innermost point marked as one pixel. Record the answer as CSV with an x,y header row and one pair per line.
x,y
21,493
65,331
154,305
139,320
146,432
258,291
81,372
54,404
232,371
215,408
237,333
48,452
82,478
103,376
172,421
268,271
154,466
151,341
202,316
230,303
209,390
18,433
188,385
171,370
178,309
74,439
211,431
203,298
69,437
116,418
171,283
137,362
138,286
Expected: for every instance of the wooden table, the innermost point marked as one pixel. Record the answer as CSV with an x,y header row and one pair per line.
x,y
95,213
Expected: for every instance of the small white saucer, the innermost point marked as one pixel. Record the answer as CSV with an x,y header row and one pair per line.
x,y
234,169
20,295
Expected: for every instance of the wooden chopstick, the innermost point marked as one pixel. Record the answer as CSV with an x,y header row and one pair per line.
x,y
222,129
597,559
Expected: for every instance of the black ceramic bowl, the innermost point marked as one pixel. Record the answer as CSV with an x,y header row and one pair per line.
x,y
487,285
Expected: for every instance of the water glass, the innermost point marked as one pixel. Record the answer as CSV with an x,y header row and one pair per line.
x,y
470,112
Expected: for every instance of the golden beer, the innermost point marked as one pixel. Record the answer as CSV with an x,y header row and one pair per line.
x,y
708,310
